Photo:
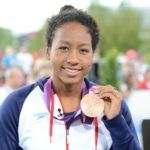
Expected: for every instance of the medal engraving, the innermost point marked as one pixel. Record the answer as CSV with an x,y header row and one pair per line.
x,y
91,105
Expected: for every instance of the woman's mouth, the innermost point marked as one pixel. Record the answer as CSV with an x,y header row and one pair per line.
x,y
72,71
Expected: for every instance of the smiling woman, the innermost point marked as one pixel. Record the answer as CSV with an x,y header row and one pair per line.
x,y
75,55
47,115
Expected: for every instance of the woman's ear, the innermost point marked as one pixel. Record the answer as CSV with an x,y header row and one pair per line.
x,y
48,53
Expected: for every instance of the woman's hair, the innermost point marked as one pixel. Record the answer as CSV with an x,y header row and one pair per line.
x,y
68,14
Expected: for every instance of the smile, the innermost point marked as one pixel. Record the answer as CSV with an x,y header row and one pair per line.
x,y
72,70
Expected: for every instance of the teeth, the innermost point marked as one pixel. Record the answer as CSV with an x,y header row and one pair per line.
x,y
72,70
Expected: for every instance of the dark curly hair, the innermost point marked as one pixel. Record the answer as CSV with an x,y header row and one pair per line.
x,y
68,14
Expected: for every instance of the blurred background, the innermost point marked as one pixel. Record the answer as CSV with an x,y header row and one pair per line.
x,y
122,58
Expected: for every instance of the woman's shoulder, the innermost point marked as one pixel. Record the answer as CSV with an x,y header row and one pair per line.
x,y
18,97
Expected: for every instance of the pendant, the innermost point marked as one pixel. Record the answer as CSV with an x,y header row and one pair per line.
x,y
91,105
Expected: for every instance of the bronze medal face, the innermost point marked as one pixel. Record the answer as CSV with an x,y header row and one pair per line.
x,y
91,105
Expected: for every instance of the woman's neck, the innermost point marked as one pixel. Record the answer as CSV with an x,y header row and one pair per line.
x,y
69,95
67,89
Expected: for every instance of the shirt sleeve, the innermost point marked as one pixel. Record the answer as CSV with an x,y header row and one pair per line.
x,y
9,118
122,130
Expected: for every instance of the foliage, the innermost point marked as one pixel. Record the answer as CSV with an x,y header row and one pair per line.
x,y
109,70
38,42
119,28
145,45
6,38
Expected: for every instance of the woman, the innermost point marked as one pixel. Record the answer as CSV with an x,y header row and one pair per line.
x,y
47,114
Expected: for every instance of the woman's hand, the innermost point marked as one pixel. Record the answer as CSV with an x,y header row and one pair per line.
x,y
112,99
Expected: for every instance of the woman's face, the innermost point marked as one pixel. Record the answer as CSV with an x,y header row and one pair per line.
x,y
71,53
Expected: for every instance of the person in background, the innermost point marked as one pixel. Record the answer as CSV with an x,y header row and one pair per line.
x,y
129,84
145,83
47,115
9,59
25,60
41,68
14,78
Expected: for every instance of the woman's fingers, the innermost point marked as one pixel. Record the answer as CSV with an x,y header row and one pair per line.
x,y
101,90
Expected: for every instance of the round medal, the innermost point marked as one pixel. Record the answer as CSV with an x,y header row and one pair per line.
x,y
91,105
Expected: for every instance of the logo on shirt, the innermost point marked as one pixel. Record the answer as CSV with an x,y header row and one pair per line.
x,y
40,115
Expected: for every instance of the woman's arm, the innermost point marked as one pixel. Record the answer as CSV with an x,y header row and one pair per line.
x,y
122,130
9,116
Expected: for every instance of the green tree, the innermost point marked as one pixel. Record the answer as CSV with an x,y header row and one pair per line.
x,y
7,38
127,24
38,42
102,16
119,28
109,70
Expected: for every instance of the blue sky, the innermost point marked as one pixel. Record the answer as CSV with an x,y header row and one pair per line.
x,y
22,16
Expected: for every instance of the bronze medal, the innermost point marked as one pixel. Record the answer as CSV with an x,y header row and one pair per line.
x,y
91,105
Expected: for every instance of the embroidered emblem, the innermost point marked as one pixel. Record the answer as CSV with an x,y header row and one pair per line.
x,y
40,115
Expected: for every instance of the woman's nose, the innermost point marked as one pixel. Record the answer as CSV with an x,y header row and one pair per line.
x,y
73,57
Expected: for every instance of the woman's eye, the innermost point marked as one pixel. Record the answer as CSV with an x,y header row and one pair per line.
x,y
64,49
84,51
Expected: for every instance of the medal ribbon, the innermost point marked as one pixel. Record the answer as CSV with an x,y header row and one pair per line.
x,y
49,101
